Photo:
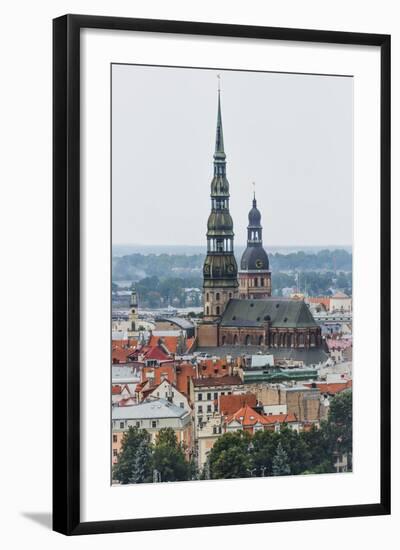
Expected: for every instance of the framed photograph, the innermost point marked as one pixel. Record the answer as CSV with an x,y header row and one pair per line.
x,y
221,274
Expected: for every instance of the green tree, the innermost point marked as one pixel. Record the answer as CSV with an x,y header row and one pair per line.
x,y
319,444
280,462
169,457
340,424
230,457
134,460
141,464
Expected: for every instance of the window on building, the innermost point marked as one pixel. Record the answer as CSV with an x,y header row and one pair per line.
x,y
200,397
182,405
115,438
138,424
154,423
200,409
217,310
209,408
217,296
256,282
208,396
215,395
122,425
115,452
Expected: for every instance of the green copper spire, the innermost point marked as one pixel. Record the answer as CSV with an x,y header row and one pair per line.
x,y
219,139
219,154
220,268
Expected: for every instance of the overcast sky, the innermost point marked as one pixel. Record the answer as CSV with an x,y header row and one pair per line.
x,y
291,134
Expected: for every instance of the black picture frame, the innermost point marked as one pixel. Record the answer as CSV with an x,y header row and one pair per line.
x,y
66,273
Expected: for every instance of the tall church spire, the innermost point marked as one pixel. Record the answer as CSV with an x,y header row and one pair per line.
x,y
219,154
220,269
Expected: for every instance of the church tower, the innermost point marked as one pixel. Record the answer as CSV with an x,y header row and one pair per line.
x,y
133,312
254,275
220,269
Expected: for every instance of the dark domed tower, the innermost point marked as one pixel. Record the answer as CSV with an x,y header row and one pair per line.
x,y
220,269
254,275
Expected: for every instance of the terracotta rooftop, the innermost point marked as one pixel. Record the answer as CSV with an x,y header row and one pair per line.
x,y
249,417
170,342
331,387
218,381
229,404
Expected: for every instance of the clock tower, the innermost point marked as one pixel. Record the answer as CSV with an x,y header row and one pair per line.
x,y
254,274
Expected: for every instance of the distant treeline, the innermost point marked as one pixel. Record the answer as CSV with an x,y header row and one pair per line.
x,y
135,267
157,292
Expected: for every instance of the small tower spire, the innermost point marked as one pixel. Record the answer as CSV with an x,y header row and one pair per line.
x,y
219,154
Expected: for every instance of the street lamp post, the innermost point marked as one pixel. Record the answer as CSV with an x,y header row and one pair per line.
x,y
156,476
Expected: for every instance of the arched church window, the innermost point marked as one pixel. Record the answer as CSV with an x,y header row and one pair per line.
x,y
207,310
301,339
207,297
223,340
217,296
235,340
260,340
247,340
256,282
217,310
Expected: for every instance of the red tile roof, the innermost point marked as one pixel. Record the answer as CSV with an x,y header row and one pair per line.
x,y
190,344
229,404
218,381
184,372
323,300
214,367
157,353
170,342
249,417
331,387
126,343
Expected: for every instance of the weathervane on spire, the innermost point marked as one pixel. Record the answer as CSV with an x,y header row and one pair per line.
x,y
254,189
219,82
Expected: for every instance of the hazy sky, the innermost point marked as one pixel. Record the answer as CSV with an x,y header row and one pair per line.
x,y
291,134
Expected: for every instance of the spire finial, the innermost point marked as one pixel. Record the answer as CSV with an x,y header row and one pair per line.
x,y
254,194
219,141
